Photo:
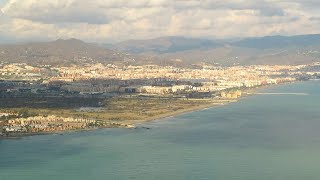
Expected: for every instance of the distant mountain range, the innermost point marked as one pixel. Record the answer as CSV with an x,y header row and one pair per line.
x,y
165,45
178,51
265,50
272,42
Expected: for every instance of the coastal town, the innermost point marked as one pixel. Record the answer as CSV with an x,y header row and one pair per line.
x,y
34,98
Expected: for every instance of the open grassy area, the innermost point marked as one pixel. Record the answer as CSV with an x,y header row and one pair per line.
x,y
119,109
49,102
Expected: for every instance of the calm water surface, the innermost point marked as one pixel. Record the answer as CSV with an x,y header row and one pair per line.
x,y
261,137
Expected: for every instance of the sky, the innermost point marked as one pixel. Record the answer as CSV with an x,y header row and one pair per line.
x,y
108,21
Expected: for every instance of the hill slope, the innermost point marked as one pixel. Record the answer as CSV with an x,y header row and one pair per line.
x,y
59,52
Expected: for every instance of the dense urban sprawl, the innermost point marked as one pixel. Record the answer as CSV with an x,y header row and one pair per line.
x,y
107,81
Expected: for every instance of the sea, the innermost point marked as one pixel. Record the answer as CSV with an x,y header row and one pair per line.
x,y
260,137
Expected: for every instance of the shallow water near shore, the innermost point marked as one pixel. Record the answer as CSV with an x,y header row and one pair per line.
x,y
259,137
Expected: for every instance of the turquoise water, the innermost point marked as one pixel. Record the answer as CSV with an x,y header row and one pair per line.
x,y
260,137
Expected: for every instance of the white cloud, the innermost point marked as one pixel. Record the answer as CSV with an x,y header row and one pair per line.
x,y
116,20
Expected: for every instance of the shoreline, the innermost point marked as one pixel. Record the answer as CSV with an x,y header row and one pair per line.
x,y
185,111
135,123
247,92
127,123
132,123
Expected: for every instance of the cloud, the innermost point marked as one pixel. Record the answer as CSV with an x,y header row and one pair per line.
x,y
80,11
54,11
315,19
116,20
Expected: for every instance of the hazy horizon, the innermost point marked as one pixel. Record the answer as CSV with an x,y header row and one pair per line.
x,y
235,39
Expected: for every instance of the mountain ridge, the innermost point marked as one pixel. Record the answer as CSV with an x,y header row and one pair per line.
x,y
259,50
172,50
